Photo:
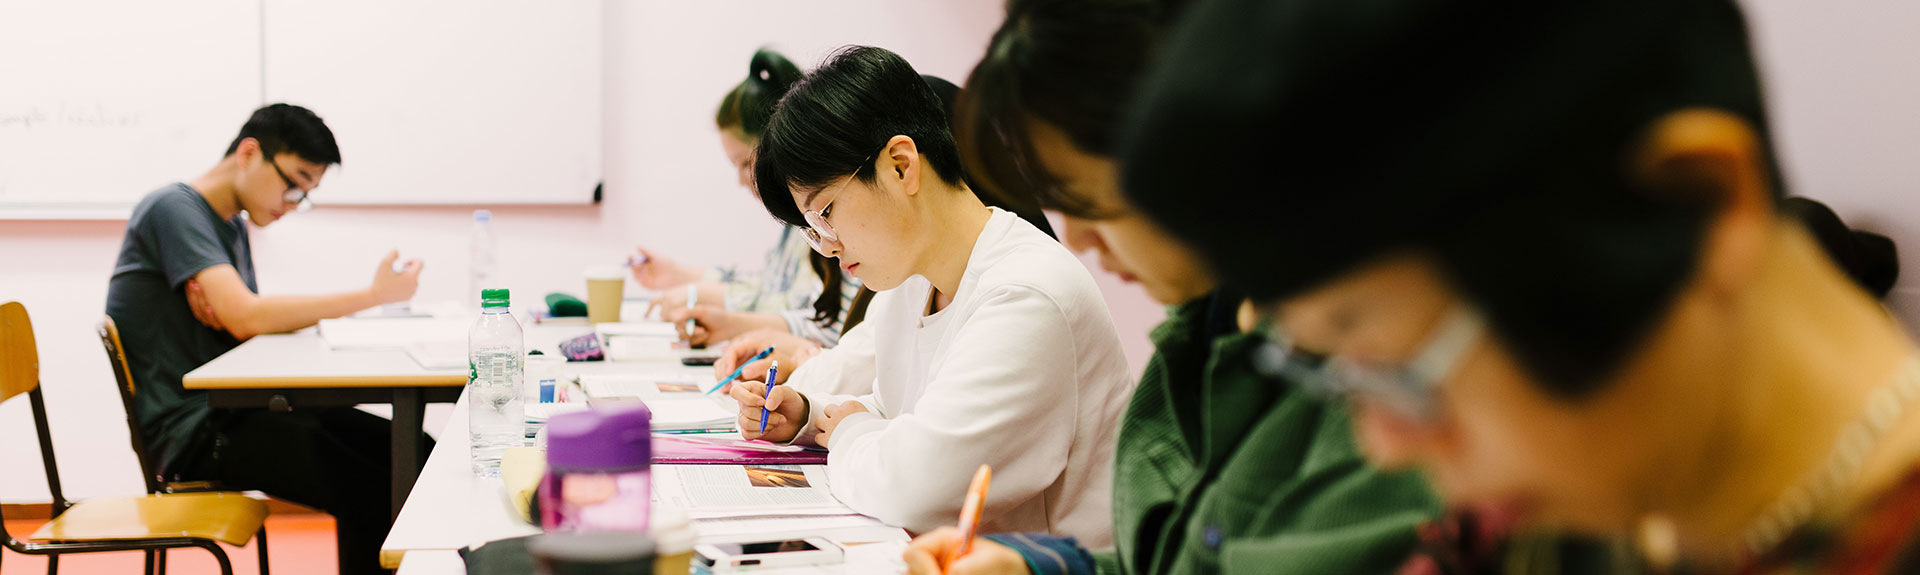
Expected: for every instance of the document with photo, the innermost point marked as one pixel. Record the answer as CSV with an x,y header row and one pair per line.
x,y
705,491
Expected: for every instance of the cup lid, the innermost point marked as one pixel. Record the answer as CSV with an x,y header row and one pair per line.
x,y
595,548
611,438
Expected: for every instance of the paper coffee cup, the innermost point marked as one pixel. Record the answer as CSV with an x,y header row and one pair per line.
x,y
605,289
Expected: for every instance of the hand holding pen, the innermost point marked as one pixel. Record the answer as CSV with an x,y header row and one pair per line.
x,y
780,407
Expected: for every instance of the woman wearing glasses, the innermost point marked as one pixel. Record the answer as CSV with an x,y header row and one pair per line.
x,y
991,344
798,298
1563,286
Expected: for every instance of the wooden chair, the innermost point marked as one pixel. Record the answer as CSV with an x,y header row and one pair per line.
x,y
109,333
123,377
153,523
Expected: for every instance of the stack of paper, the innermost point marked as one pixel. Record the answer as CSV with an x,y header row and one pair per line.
x,y
537,412
637,329
627,386
712,491
689,414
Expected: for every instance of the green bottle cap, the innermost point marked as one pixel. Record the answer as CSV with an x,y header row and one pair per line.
x,y
493,298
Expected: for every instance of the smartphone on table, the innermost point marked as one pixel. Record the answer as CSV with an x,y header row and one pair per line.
x,y
746,557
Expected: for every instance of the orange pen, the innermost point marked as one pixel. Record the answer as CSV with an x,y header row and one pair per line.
x,y
970,513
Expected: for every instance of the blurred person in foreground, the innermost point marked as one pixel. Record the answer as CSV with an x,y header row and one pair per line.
x,y
1540,249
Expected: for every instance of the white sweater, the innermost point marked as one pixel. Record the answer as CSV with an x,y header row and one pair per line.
x,y
1022,371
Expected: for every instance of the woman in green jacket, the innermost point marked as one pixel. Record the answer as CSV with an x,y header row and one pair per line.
x,y
1219,469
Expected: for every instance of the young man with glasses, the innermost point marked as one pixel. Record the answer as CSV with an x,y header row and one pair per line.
x,y
183,292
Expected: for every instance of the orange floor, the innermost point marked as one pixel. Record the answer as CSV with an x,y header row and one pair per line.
x,y
298,544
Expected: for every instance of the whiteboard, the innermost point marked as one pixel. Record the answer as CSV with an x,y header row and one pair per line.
x,y
432,101
444,101
102,101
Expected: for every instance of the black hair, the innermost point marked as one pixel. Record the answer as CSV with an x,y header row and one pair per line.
x,y
1071,63
747,108
290,129
749,105
840,115
1023,206
1293,142
1869,258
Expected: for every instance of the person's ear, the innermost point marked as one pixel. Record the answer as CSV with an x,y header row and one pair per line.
x,y
1716,154
901,161
248,150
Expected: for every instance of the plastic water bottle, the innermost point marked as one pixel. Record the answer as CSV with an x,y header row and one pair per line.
x,y
495,348
480,256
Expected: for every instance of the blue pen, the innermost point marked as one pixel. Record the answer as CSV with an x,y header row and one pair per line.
x,y
772,371
738,370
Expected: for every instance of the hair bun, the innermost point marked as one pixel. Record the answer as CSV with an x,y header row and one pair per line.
x,y
772,72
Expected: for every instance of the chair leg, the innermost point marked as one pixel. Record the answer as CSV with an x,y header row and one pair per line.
x,y
226,567
53,564
262,538
162,554
149,569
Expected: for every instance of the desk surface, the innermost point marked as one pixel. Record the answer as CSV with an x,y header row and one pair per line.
x,y
303,360
449,508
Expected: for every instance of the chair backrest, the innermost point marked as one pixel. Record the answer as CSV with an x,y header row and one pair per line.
x,y
20,373
123,379
19,357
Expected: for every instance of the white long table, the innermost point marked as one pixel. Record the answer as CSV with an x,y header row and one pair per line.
x,y
296,370
449,508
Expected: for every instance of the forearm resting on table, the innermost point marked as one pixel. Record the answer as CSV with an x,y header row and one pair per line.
x,y
752,321
247,314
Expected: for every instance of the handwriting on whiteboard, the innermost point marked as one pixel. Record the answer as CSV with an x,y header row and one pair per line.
x,y
67,116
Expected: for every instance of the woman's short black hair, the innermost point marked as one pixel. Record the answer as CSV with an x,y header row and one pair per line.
x,y
1293,142
1073,64
840,115
749,105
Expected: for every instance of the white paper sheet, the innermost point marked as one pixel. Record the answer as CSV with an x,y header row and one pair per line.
x,y
710,491
637,329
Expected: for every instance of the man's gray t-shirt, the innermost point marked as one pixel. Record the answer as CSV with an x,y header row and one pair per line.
x,y
173,235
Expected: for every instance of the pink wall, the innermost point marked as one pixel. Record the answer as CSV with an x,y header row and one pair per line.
x,y
1842,83
1844,89
668,186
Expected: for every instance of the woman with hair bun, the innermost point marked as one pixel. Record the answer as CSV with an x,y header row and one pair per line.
x,y
798,299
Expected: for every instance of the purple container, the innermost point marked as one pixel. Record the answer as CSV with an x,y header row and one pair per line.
x,y
598,476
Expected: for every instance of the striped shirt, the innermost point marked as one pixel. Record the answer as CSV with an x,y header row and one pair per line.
x,y
786,285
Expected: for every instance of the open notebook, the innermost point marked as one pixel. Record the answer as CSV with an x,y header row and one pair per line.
x,y
710,491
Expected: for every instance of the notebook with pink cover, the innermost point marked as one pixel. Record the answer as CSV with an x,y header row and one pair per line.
x,y
702,450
